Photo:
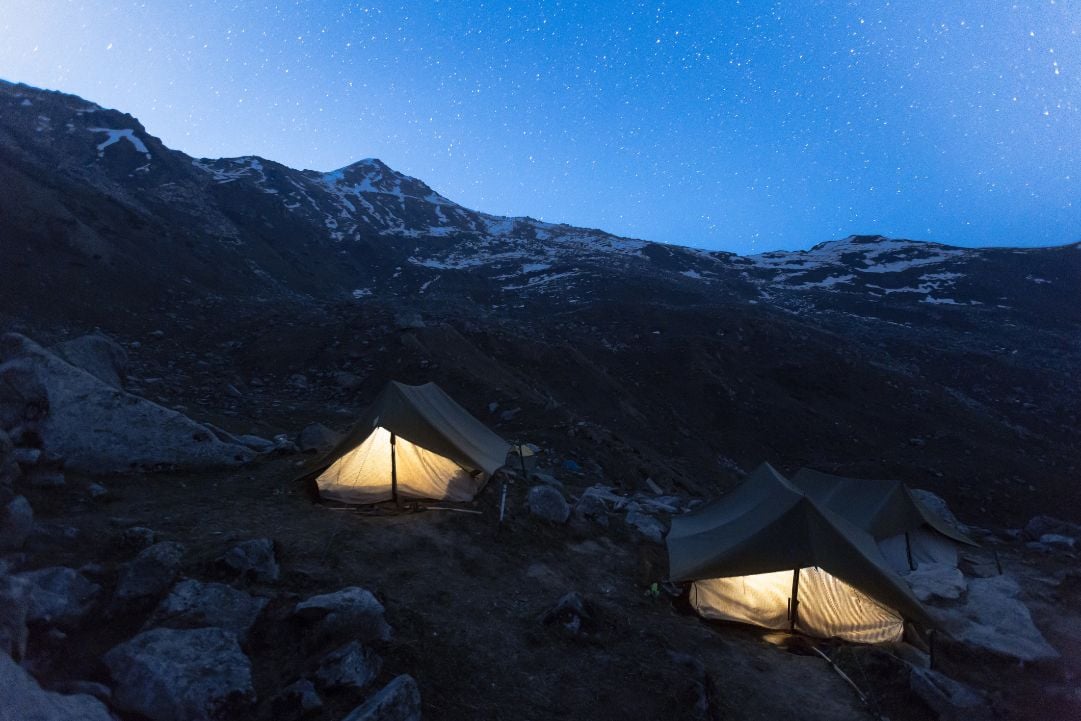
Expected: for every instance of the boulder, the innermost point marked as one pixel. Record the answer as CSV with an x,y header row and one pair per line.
x,y
101,357
150,573
992,618
99,429
547,502
296,700
591,507
317,437
14,609
194,604
254,559
351,666
351,610
22,699
647,526
399,700
948,698
59,596
936,580
1040,526
16,523
182,675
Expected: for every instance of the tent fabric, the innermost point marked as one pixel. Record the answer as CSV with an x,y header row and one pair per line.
x,y
882,508
828,607
440,450
767,525
924,545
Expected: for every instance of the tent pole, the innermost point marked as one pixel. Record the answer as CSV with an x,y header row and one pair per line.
x,y
521,459
908,550
793,603
394,472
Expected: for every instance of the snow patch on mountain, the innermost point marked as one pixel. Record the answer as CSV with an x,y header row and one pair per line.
x,y
118,134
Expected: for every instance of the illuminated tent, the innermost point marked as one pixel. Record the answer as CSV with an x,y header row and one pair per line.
x,y
412,442
908,532
750,553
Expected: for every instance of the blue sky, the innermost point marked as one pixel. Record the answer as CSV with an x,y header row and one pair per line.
x,y
743,126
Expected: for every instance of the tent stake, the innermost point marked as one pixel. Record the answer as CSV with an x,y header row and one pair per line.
x,y
793,603
394,472
908,550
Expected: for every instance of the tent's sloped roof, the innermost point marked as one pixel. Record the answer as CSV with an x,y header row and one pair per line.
x,y
882,508
426,416
767,524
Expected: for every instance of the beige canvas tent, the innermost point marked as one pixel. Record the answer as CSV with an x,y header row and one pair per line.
x,y
907,532
412,442
769,555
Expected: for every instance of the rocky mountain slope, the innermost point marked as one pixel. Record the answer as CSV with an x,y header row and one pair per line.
x,y
866,355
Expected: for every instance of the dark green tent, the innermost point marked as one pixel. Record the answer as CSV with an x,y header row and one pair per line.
x,y
751,552
411,442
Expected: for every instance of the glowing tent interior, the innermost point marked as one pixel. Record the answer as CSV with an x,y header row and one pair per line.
x,y
411,442
769,555
907,532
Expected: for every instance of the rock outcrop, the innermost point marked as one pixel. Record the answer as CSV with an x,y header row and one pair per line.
x,y
97,428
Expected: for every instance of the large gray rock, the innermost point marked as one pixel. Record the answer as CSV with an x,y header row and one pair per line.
x,y
16,523
591,507
351,610
59,596
994,619
948,698
99,429
351,666
150,573
102,357
399,700
936,580
182,675
317,437
647,526
254,559
22,699
194,604
14,609
938,505
548,503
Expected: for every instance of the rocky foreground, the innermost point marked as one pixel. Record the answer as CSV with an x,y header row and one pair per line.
x,y
152,566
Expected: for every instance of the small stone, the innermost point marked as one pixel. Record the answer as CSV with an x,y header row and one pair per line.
x,y
97,491
16,523
647,526
138,537
150,573
296,699
26,456
547,503
254,559
351,610
351,666
194,604
572,612
1058,540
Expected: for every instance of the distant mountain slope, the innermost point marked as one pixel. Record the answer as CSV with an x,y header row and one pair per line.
x,y
855,347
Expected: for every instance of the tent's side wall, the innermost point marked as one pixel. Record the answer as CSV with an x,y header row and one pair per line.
x,y
828,607
922,545
364,474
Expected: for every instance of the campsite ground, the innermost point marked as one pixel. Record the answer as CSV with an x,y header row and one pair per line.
x,y
465,603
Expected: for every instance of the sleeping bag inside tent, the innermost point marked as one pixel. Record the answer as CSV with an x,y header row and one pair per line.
x,y
907,532
412,442
767,554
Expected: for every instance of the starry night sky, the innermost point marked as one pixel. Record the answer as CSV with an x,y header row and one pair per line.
x,y
744,126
